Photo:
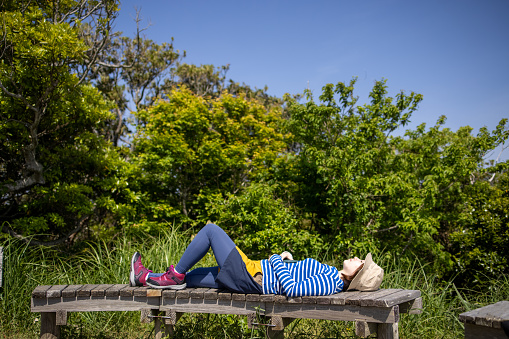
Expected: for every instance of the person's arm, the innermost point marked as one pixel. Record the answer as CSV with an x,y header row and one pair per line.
x,y
323,283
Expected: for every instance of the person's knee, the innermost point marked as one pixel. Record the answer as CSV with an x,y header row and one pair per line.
x,y
211,228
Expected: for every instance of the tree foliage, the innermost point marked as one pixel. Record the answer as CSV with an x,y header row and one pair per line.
x,y
104,132
368,189
50,155
190,147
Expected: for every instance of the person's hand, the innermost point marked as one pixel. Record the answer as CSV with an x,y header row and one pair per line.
x,y
286,255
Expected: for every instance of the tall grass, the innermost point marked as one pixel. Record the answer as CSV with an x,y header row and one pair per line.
x,y
26,267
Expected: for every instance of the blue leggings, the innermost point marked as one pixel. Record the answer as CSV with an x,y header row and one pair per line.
x,y
209,236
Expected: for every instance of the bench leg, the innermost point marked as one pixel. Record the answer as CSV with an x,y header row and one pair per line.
x,y
171,319
158,331
364,329
49,327
388,331
278,330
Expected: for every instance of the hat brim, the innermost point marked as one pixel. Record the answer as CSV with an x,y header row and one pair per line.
x,y
354,284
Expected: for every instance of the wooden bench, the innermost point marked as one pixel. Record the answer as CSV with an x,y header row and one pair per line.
x,y
486,322
377,311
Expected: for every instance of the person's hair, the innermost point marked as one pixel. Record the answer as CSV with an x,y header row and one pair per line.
x,y
348,278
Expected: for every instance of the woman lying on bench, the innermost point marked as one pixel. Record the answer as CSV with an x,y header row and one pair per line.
x,y
239,274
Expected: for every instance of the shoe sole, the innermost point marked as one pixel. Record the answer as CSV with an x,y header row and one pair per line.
x,y
171,287
132,282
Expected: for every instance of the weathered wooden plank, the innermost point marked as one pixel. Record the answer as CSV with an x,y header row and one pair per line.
x,y
88,304
169,294
365,298
70,291
61,318
128,291
294,300
55,291
345,297
249,297
49,328
85,290
114,291
388,331
172,317
100,291
501,317
152,292
158,329
198,293
309,299
269,298
182,294
335,312
411,307
211,294
280,299
490,315
396,298
364,329
337,299
323,300
40,291
145,316
140,291
238,297
473,331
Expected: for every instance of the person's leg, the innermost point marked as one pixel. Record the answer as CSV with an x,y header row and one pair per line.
x,y
203,277
209,236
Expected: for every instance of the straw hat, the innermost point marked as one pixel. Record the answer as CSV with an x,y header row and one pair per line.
x,y
368,278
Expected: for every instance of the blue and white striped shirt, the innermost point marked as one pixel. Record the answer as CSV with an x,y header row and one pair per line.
x,y
303,278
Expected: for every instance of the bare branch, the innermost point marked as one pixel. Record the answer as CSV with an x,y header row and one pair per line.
x,y
17,96
32,242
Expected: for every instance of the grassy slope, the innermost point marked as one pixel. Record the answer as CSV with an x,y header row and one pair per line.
x,y
25,268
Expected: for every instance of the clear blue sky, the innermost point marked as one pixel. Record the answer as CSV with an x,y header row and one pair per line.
x,y
455,53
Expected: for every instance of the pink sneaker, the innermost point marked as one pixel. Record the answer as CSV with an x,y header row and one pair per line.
x,y
170,279
139,273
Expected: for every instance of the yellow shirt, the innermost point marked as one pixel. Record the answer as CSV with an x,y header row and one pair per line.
x,y
253,266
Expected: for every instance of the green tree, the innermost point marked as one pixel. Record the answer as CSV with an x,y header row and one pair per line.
x,y
132,70
365,189
192,147
51,158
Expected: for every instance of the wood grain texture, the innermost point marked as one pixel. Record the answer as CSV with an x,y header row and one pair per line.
x,y
211,294
487,316
127,291
61,318
70,291
40,291
364,329
363,298
335,312
91,304
473,331
85,290
412,306
397,298
388,331
114,291
49,328
100,290
55,291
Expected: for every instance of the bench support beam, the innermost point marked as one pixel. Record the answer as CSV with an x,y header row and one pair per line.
x,y
388,331
49,327
364,329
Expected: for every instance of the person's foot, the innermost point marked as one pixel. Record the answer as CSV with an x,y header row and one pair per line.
x,y
170,279
139,273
